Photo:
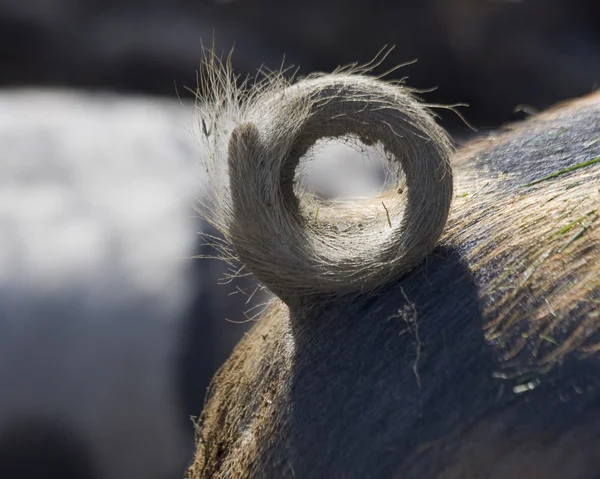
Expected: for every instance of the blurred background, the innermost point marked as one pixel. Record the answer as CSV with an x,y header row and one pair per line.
x,y
492,54
109,333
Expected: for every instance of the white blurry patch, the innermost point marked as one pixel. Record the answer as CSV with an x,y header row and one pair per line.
x,y
88,185
343,168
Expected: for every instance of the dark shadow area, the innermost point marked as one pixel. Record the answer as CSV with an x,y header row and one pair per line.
x,y
40,448
370,375
211,327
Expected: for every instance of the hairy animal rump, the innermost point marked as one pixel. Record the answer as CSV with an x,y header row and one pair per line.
x,y
479,362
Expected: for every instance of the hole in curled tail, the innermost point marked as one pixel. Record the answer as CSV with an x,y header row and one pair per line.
x,y
346,168
348,186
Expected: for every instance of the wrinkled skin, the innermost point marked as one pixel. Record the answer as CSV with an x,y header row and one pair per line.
x,y
480,363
